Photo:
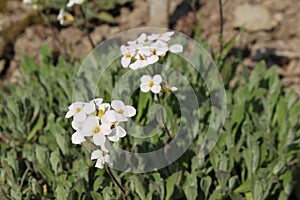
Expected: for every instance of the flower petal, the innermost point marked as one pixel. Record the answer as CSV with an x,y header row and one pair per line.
x,y
156,88
99,139
106,159
99,164
76,125
77,138
70,113
88,108
98,101
89,125
121,118
157,79
117,105
136,65
105,129
142,38
145,87
146,79
96,154
174,89
80,117
113,136
120,131
109,117
168,34
123,49
176,48
152,59
125,61
153,37
130,111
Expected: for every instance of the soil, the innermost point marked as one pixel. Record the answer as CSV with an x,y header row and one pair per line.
x,y
271,34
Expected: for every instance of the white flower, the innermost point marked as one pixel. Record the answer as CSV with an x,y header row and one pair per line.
x,y
80,110
140,40
128,54
102,158
159,48
92,127
170,89
72,2
101,108
163,37
148,83
176,48
78,137
122,112
117,132
61,16
27,1
143,61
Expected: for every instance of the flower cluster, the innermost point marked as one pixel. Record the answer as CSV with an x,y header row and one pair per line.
x,y
64,15
147,49
153,84
101,122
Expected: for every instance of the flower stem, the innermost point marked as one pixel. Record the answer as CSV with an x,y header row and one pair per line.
x,y
116,181
163,118
221,30
112,176
86,29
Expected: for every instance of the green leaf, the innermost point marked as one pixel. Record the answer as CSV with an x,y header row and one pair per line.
x,y
28,65
38,126
244,187
142,105
205,184
279,166
55,160
256,75
106,17
190,186
40,153
173,180
95,195
60,193
12,160
137,186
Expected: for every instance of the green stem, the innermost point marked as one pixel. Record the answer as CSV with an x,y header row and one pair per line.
x,y
221,30
163,118
85,25
112,176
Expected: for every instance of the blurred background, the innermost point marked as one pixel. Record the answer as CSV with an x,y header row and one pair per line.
x,y
263,29
42,44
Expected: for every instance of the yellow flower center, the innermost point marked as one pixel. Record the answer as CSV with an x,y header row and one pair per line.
x,y
96,130
154,51
127,55
151,83
77,110
121,112
100,112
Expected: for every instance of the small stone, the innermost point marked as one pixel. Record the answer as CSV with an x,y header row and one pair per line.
x,y
252,18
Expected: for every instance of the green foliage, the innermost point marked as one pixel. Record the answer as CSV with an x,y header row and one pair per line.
x,y
255,158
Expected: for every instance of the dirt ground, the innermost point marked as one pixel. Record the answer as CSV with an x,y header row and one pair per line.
x,y
272,31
